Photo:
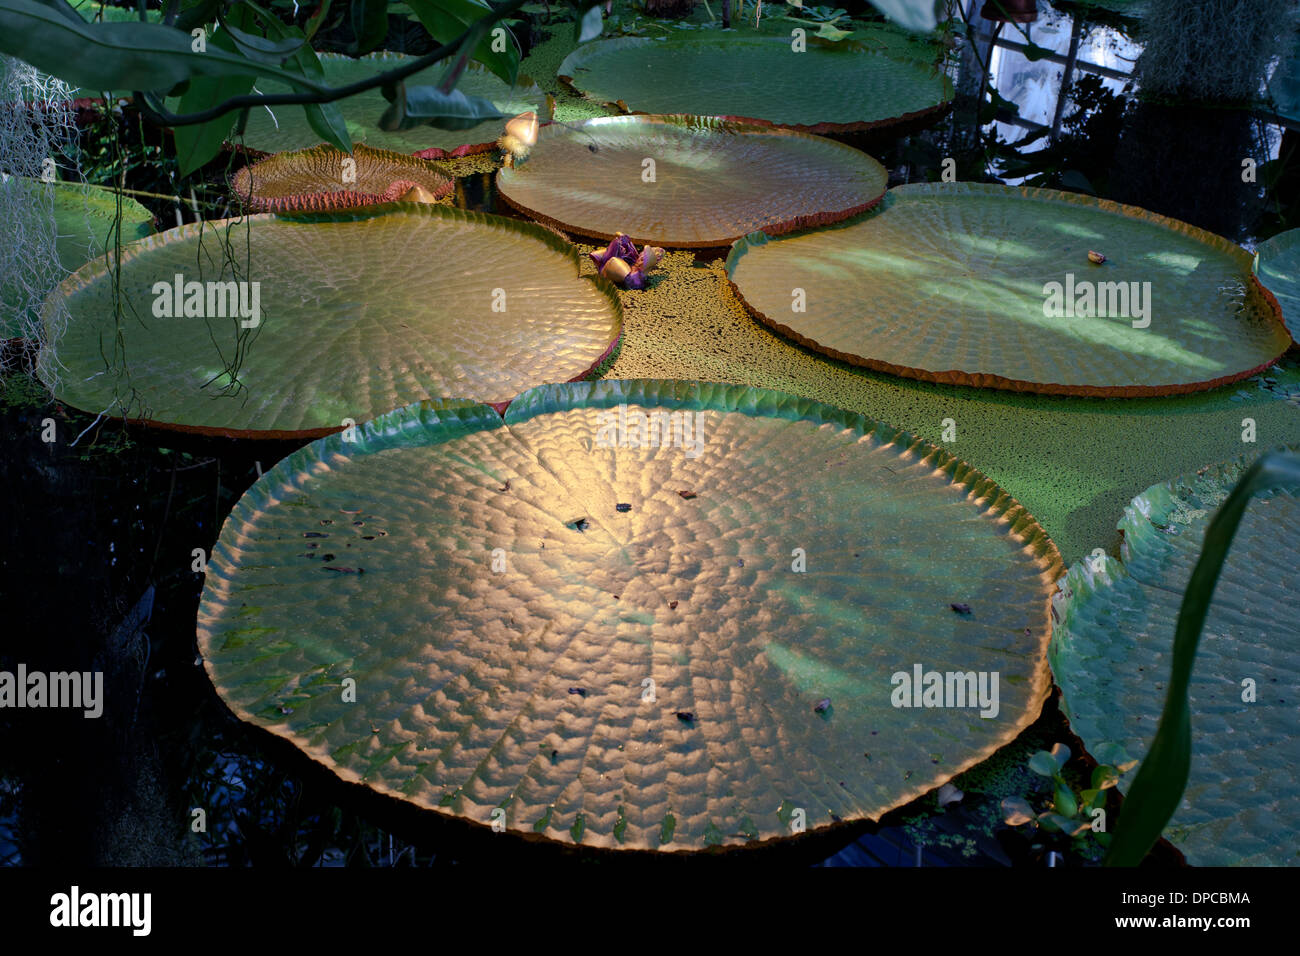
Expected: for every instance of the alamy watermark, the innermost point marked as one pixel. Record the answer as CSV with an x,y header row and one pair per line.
x,y
208,300
922,688
1086,299
620,428
76,689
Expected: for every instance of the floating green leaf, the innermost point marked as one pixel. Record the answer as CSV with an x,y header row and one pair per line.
x,y
994,286
495,571
823,88
713,180
357,312
1277,264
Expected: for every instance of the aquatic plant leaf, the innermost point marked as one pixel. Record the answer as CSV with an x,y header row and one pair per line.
x,y
1111,653
711,181
1277,265
974,284
520,639
286,128
359,311
828,87
85,217
320,178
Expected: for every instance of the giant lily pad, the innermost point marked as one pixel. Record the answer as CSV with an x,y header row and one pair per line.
x,y
327,178
85,218
710,182
1277,264
286,127
823,88
1112,649
628,642
994,286
359,311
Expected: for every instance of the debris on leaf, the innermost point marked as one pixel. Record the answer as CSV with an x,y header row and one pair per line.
x,y
1096,258
960,608
823,705
685,716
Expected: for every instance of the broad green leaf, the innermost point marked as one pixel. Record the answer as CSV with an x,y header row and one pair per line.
x,y
1277,265
1104,777
325,120
827,88
284,129
1012,299
115,56
369,25
197,144
448,19
85,217
1173,584
1043,764
591,24
714,180
617,565
412,295
259,47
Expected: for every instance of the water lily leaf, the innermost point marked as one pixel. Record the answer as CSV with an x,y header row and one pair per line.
x,y
358,311
85,217
320,178
499,575
828,87
1011,297
909,14
713,180
1277,264
1111,651
285,128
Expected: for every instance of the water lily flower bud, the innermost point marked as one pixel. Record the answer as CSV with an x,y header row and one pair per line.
x,y
650,257
615,269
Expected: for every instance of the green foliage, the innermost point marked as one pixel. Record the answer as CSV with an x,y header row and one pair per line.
x,y
1071,814
1159,785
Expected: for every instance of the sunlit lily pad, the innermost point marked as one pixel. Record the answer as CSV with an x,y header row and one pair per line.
x,y
1112,648
688,181
285,127
823,88
1277,264
324,178
627,644
358,312
1001,287
85,218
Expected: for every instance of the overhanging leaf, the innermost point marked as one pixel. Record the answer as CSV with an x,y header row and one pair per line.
x,y
609,641
430,106
447,19
112,56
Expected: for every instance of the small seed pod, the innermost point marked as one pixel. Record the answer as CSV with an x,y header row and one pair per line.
x,y
418,193
1096,258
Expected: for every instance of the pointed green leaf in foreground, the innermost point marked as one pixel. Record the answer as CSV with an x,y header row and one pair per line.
x,y
568,615
1192,662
